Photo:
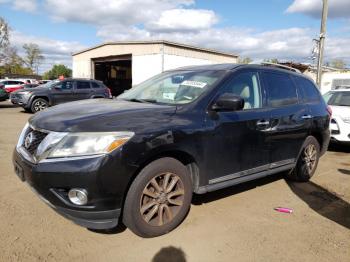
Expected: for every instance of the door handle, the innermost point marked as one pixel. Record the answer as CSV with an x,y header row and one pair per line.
x,y
263,123
306,117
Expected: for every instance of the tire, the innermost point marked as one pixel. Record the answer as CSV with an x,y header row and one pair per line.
x,y
39,104
168,209
307,161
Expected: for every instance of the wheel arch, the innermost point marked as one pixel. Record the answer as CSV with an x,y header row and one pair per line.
x,y
183,157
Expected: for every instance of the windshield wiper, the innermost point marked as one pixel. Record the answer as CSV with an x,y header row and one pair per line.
x,y
142,100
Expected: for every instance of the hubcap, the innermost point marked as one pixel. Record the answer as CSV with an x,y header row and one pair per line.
x,y
162,199
310,157
39,105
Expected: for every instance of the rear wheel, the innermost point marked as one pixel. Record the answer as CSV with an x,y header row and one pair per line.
x,y
307,162
158,199
39,104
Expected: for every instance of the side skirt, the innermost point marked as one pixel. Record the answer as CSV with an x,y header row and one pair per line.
x,y
238,180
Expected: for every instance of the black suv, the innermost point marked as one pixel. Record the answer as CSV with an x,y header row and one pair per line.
x,y
57,92
140,158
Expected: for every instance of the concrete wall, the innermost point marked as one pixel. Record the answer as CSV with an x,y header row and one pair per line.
x,y
327,79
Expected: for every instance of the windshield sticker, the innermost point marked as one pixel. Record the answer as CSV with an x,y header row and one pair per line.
x,y
196,84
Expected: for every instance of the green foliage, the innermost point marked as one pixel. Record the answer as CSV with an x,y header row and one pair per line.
x,y
12,63
272,60
56,71
244,60
338,63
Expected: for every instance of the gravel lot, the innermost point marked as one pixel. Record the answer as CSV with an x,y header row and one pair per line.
x,y
235,224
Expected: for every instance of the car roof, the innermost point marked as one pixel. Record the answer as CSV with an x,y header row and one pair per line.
x,y
230,66
340,90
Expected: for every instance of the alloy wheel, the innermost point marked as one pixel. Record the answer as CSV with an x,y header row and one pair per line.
x,y
310,157
39,106
162,199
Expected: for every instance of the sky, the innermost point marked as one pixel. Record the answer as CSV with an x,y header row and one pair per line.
x,y
259,29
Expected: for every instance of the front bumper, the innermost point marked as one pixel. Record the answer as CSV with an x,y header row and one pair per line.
x,y
19,99
340,130
52,180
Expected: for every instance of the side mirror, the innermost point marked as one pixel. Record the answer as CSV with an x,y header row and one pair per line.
x,y
228,102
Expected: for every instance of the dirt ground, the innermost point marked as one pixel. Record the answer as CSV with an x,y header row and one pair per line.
x,y
235,224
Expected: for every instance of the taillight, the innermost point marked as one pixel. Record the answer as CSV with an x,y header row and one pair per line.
x,y
329,110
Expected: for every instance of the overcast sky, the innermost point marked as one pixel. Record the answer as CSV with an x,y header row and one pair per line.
x,y
258,29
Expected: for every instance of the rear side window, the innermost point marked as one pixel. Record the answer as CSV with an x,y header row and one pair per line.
x,y
280,90
83,85
95,85
309,91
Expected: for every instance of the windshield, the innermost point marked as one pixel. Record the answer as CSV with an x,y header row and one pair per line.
x,y
338,98
178,87
49,84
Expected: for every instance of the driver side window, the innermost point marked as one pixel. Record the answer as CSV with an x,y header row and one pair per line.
x,y
65,85
245,85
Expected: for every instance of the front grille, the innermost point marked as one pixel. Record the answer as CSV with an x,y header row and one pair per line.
x,y
37,138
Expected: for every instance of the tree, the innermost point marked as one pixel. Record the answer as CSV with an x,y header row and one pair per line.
x,y
33,56
4,33
244,60
12,63
338,63
56,71
272,60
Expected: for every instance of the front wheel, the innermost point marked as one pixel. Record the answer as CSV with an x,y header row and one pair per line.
x,y
158,199
307,162
39,104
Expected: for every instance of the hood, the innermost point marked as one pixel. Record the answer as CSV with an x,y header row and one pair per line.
x,y
102,115
341,111
33,89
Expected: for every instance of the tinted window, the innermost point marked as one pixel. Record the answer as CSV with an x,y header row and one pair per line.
x,y
83,85
247,86
280,90
95,85
309,90
65,85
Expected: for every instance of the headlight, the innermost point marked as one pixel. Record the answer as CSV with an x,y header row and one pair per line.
x,y
58,145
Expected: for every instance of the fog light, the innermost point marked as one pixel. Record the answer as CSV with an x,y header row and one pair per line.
x,y
78,196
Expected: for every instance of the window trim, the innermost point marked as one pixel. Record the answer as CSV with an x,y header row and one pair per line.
x,y
265,86
76,85
230,77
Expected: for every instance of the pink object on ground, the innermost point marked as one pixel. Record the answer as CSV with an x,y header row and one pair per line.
x,y
284,209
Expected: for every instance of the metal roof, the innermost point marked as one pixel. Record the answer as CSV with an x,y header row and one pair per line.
x,y
175,44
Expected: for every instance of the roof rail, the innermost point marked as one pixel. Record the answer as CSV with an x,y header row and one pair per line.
x,y
281,66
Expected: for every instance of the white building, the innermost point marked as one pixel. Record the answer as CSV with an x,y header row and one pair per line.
x,y
123,64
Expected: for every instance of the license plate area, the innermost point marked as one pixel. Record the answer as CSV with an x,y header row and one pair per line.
x,y
19,172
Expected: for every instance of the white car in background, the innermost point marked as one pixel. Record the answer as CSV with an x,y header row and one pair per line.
x,y
339,101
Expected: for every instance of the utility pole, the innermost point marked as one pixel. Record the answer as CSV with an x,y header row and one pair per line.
x,y
321,42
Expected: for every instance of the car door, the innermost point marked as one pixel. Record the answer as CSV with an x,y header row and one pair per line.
x,y
237,145
62,92
82,90
289,118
